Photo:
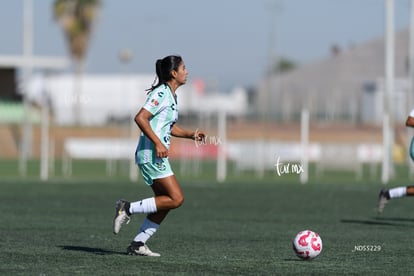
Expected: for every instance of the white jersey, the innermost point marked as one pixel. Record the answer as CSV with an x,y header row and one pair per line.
x,y
163,106
411,113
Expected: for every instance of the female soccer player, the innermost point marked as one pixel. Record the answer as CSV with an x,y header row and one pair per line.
x,y
157,121
403,191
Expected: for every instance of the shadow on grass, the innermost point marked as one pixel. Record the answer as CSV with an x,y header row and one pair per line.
x,y
395,219
297,260
377,221
92,250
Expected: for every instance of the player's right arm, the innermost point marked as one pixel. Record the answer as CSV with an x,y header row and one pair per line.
x,y
409,122
142,119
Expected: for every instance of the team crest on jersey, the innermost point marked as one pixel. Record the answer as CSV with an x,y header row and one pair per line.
x,y
154,102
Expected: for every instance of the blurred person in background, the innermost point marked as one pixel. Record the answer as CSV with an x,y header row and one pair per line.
x,y
157,121
386,195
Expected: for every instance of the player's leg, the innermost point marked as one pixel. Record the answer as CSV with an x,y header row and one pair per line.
x,y
400,192
124,209
168,195
397,192
410,191
383,199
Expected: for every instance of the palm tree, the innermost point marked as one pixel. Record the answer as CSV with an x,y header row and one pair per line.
x,y
76,17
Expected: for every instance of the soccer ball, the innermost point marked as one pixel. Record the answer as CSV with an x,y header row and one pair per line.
x,y
307,244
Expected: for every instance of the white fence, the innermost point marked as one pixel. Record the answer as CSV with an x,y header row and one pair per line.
x,y
109,149
258,155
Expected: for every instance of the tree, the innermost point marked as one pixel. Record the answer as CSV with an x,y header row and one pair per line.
x,y
283,65
76,17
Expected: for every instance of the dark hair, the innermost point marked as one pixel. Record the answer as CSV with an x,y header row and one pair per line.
x,y
163,68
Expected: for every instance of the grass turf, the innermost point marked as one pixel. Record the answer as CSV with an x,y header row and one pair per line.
x,y
64,227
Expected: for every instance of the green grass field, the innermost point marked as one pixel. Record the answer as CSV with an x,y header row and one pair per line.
x,y
242,227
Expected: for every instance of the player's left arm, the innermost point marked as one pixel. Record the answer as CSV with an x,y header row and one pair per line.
x,y
179,132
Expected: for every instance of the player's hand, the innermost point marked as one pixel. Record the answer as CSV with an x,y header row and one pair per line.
x,y
199,136
161,150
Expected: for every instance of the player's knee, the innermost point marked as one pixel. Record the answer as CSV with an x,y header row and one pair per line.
x,y
177,201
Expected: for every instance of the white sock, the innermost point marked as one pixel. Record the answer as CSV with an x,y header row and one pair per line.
x,y
398,192
145,206
148,228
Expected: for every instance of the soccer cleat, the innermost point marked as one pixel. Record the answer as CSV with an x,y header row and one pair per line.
x,y
140,249
383,199
121,215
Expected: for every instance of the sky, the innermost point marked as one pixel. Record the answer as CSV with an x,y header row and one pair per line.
x,y
228,43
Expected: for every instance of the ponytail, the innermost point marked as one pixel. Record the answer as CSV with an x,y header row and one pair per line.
x,y
163,68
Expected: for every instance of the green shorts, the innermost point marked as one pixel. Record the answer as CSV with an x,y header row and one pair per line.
x,y
412,149
151,171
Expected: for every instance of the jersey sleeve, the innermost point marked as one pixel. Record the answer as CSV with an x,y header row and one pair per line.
x,y
156,101
411,113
